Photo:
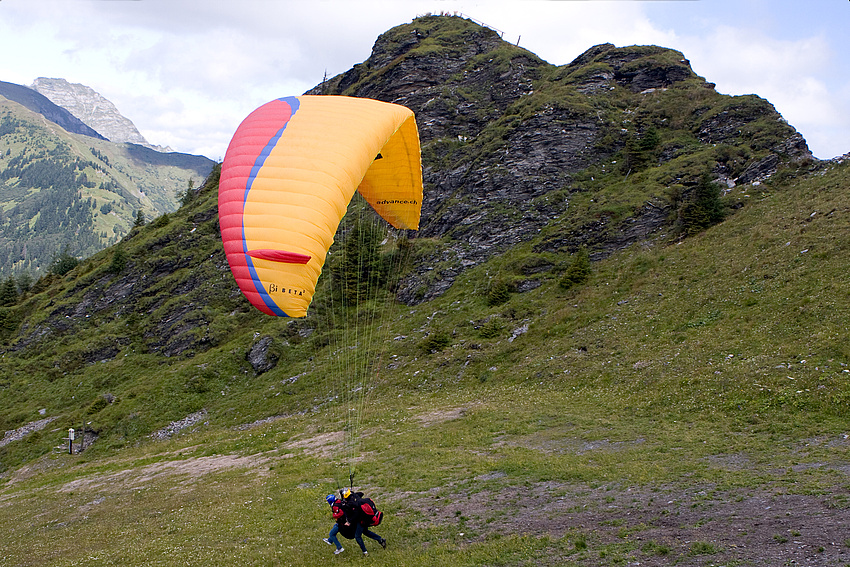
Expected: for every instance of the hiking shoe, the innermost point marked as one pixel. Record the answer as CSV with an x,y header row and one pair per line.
x,y
338,551
383,543
327,541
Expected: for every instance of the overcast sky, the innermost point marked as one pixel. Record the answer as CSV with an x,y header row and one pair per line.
x,y
187,72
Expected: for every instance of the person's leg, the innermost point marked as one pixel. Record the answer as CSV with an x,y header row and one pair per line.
x,y
370,534
332,536
358,537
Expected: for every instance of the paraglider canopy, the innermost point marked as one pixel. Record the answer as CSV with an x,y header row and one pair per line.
x,y
288,175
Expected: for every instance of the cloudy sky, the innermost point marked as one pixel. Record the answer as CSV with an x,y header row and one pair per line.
x,y
186,72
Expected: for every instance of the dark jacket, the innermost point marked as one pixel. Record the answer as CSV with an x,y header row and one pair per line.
x,y
361,510
341,512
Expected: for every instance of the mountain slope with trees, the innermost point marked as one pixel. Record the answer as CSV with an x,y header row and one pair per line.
x,y
74,194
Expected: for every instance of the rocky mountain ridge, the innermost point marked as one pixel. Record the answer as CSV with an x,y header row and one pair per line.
x,y
520,152
507,136
94,110
40,104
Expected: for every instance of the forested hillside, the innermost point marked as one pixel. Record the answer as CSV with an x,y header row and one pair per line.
x,y
71,195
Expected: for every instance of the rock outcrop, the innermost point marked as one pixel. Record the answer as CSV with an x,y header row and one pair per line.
x,y
508,140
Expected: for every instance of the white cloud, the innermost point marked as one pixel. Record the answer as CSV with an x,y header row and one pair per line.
x,y
558,32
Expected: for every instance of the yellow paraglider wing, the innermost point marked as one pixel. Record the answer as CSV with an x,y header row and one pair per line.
x,y
288,175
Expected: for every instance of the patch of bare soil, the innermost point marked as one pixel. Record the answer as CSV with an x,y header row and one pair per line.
x,y
192,468
440,416
324,445
667,526
769,525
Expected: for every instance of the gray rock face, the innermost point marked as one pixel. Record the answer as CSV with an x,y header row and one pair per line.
x,y
509,140
92,109
40,104
261,357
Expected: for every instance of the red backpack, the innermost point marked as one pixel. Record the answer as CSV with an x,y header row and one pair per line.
x,y
372,516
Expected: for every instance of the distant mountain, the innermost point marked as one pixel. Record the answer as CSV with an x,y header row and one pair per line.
x,y
40,104
74,191
93,110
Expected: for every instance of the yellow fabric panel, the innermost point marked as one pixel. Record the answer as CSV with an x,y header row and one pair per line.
x,y
393,185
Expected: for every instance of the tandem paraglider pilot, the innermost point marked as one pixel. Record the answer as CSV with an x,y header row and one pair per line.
x,y
354,515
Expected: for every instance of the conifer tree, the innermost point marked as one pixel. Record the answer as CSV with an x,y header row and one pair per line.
x,y
361,263
703,208
63,263
579,270
24,281
8,292
641,151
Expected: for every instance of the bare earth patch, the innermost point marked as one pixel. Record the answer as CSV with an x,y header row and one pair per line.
x,y
767,525
323,446
192,468
441,416
658,527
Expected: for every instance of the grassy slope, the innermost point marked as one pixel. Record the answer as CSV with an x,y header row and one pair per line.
x,y
730,344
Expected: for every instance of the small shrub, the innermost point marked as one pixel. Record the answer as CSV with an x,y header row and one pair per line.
x,y
97,405
118,263
201,383
491,329
703,548
161,221
498,293
63,264
580,542
436,341
655,548
44,282
578,272
703,208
